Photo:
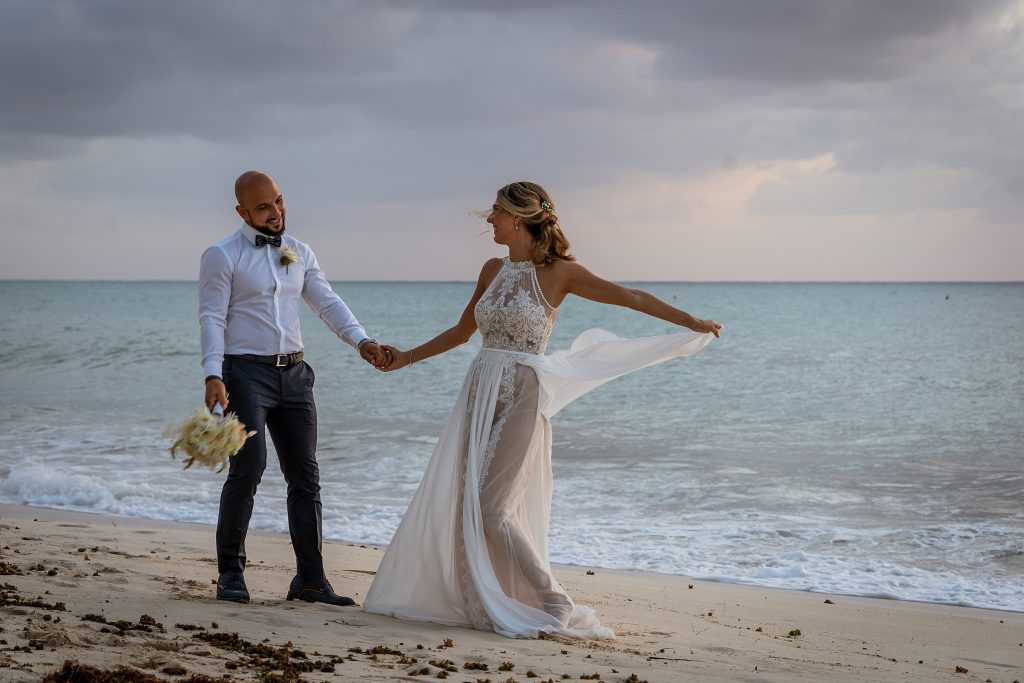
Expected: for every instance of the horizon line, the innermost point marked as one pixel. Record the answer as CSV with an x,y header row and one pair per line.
x,y
692,282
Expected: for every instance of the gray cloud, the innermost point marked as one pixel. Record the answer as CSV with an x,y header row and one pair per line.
x,y
240,70
791,41
216,70
370,111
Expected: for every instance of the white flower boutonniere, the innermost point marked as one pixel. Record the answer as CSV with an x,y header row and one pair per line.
x,y
288,256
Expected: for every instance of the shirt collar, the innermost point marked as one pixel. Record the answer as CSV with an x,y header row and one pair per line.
x,y
249,233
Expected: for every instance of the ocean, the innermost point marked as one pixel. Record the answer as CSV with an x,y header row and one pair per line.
x,y
861,439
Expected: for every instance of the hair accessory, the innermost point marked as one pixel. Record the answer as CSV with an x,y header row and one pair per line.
x,y
547,207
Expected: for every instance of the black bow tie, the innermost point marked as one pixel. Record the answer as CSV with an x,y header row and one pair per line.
x,y
262,240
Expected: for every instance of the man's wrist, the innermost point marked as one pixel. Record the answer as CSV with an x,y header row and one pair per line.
x,y
209,377
368,340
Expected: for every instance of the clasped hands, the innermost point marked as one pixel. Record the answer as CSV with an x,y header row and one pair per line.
x,y
384,357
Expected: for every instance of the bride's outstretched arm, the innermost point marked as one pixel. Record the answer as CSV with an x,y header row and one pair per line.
x,y
453,336
583,283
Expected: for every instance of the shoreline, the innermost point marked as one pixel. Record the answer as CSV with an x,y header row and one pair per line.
x,y
151,522
669,628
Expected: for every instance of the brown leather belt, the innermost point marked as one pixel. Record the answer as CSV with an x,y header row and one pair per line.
x,y
281,360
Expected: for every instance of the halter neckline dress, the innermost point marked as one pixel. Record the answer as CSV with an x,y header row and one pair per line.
x,y
472,548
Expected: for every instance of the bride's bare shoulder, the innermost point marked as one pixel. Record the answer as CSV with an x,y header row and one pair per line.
x,y
565,270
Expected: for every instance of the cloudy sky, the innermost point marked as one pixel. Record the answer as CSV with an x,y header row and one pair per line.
x,y
681,139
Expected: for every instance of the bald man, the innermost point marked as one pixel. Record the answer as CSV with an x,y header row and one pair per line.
x,y
250,284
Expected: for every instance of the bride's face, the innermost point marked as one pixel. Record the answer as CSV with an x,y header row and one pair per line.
x,y
504,225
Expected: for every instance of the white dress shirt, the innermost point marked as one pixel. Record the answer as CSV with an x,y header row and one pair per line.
x,y
249,301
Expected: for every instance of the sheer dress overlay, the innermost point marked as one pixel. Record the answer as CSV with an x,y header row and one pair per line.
x,y
472,548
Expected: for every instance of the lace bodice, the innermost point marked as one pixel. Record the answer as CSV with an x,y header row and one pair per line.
x,y
513,313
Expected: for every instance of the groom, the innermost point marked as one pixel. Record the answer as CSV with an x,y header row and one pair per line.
x,y
250,284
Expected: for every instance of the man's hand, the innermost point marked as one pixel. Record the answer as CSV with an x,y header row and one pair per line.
x,y
216,393
373,354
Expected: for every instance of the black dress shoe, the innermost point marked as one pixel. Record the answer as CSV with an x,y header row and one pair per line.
x,y
317,591
231,586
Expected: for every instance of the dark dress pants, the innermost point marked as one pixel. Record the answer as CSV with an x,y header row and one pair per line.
x,y
282,400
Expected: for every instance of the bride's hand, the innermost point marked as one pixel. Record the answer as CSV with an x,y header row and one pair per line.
x,y
708,326
396,359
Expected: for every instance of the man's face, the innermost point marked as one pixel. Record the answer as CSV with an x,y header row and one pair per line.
x,y
261,206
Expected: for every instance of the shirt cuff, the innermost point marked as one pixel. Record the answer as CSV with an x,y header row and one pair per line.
x,y
214,366
354,336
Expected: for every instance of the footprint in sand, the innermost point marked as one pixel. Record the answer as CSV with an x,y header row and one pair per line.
x,y
115,579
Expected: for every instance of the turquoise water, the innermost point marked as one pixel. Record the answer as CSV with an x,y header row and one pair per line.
x,y
851,438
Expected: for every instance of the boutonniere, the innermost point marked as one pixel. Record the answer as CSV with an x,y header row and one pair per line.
x,y
288,256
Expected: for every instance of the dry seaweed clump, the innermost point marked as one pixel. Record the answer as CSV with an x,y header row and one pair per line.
x,y
9,598
73,672
146,623
10,569
191,627
292,663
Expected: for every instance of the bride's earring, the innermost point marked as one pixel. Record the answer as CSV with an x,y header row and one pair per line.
x,y
517,225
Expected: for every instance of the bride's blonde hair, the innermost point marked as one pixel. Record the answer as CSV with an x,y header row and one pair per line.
x,y
532,203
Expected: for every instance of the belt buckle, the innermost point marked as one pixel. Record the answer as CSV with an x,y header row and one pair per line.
x,y
281,360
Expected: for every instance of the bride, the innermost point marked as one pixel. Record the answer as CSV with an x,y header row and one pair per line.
x,y
472,549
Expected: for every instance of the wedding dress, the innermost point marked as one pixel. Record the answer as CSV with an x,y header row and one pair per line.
x,y
472,548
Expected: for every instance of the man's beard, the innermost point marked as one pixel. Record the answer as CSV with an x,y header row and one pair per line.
x,y
266,230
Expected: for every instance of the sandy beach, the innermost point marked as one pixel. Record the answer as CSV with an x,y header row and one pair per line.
x,y
110,592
